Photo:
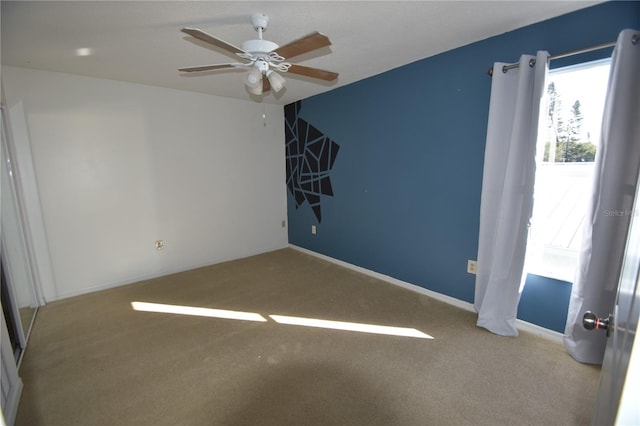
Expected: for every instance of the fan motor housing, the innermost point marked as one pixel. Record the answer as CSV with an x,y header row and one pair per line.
x,y
259,46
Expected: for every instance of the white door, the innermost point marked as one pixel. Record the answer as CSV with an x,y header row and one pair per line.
x,y
619,389
10,382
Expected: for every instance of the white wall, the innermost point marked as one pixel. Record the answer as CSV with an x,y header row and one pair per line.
x,y
120,165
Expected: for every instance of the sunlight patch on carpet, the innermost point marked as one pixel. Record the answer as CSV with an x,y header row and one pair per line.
x,y
280,319
351,326
202,312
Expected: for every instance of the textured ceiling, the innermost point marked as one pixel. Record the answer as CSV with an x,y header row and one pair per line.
x,y
141,42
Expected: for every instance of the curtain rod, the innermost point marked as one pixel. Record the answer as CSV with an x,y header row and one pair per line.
x,y
506,68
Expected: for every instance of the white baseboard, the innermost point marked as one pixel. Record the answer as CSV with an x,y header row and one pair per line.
x,y
540,331
521,325
434,295
157,274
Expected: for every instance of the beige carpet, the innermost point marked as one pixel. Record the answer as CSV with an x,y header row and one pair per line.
x,y
93,360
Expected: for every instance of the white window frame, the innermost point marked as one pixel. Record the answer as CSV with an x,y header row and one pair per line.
x,y
549,253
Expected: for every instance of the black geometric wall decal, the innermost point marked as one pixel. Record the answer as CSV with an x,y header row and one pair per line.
x,y
310,158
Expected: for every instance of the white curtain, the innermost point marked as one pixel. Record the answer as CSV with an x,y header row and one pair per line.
x,y
507,190
604,235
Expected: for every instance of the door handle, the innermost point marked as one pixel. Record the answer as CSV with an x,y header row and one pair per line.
x,y
591,321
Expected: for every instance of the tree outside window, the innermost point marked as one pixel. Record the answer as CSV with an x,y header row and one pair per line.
x,y
570,144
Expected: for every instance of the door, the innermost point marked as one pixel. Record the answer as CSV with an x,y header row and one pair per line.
x,y
618,392
13,325
19,290
10,382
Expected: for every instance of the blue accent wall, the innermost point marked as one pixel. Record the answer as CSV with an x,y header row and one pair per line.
x,y
406,182
544,302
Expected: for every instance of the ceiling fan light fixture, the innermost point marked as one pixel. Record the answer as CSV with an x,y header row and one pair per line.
x,y
254,77
276,80
253,81
255,90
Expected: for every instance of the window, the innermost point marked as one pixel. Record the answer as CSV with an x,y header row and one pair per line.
x,y
568,137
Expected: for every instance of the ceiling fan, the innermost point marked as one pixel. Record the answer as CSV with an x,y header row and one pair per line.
x,y
265,57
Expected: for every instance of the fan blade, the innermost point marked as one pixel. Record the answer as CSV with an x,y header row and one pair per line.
x,y
207,67
266,86
310,42
313,72
201,35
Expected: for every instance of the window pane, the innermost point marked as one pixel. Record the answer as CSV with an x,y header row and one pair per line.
x,y
567,143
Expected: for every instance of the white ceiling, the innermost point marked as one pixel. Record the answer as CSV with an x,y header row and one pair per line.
x,y
141,42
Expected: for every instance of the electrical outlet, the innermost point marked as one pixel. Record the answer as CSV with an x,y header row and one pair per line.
x,y
471,266
159,244
284,223
313,229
